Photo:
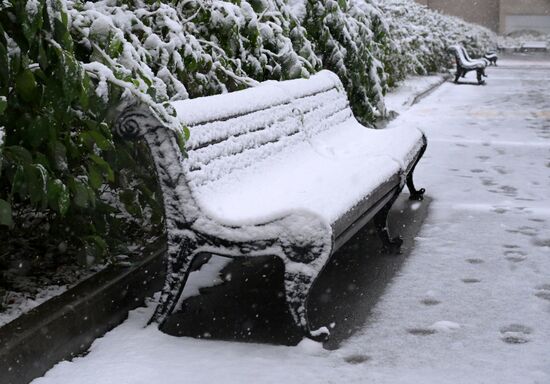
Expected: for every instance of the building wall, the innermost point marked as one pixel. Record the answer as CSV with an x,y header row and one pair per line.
x,y
484,12
499,15
537,10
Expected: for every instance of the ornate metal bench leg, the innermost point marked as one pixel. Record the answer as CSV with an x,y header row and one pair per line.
x,y
457,75
297,287
390,245
181,252
480,75
416,194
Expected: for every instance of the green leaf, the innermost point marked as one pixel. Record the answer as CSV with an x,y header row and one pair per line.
x,y
5,214
58,196
180,136
115,48
37,131
80,193
186,132
102,142
145,79
59,154
94,176
19,184
128,198
84,97
36,178
4,65
3,104
105,167
25,85
61,33
42,56
22,155
95,247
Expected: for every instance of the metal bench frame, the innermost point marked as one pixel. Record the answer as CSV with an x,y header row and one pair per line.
x,y
190,232
492,58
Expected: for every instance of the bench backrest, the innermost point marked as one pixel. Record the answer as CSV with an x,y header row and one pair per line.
x,y
464,60
239,129
461,59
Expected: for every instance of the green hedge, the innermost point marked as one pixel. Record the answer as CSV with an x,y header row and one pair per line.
x,y
67,185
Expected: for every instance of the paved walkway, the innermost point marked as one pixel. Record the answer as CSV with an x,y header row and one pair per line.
x,y
470,304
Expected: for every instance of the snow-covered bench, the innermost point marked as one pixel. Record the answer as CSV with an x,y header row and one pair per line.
x,y
465,64
491,57
281,169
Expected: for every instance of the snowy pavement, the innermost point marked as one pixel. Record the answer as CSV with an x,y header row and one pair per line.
x,y
471,304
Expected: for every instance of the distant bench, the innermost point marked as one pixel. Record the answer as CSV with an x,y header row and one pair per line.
x,y
491,57
280,169
465,64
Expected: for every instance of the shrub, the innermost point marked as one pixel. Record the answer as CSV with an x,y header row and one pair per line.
x,y
67,184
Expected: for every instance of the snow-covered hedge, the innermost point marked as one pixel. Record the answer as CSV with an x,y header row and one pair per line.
x,y
517,40
420,38
66,64
348,38
190,48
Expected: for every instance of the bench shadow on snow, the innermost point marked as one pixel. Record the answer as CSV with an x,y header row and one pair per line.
x,y
251,307
466,82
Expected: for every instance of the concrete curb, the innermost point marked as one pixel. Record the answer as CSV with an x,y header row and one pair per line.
x,y
66,325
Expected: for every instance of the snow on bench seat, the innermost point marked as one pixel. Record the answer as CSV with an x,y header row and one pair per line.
x,y
300,178
282,169
306,169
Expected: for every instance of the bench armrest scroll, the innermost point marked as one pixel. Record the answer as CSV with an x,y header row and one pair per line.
x,y
135,121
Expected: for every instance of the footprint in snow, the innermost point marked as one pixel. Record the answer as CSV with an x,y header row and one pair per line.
x,y
542,242
525,230
515,256
543,292
508,190
443,326
421,331
488,182
498,210
430,301
471,281
475,261
515,334
501,170
356,359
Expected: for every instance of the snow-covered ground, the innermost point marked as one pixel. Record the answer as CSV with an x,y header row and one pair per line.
x,y
472,302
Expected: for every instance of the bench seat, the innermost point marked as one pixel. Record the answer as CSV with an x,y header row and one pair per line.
x,y
311,176
282,169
